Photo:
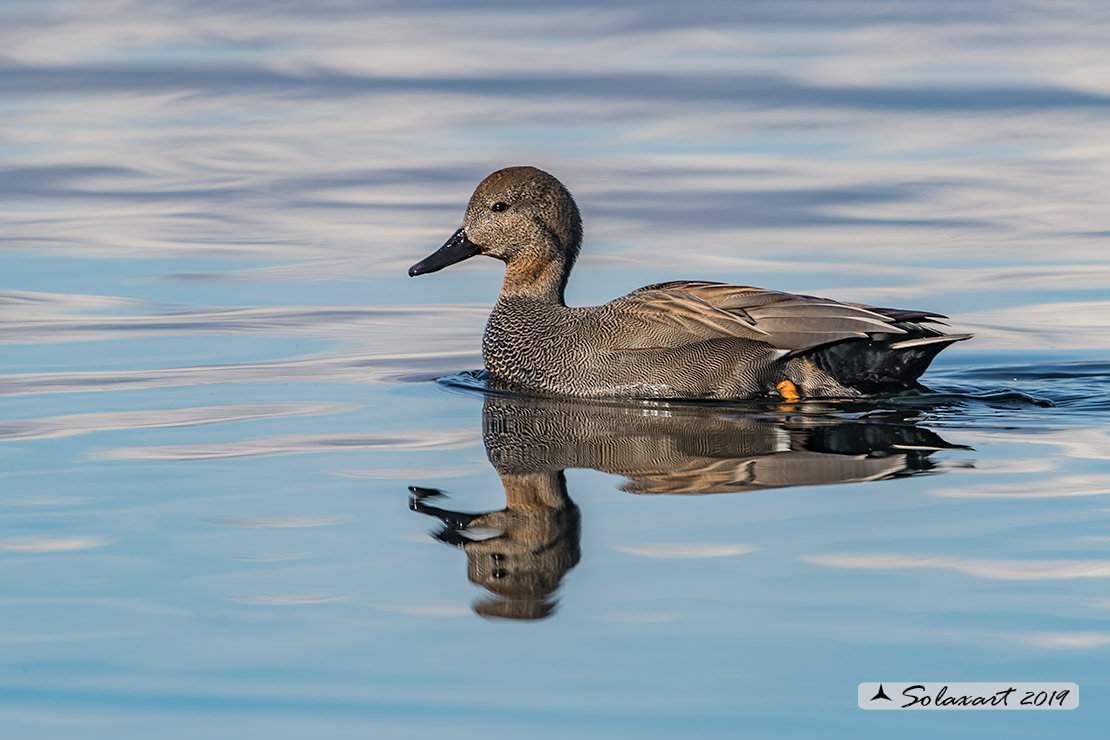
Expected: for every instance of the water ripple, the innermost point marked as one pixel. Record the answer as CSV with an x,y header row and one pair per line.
x,y
435,439
70,425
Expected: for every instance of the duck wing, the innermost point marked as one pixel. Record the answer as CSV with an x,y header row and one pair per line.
x,y
680,312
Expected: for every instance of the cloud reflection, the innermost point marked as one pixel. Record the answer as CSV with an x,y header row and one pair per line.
x,y
56,427
438,439
1067,640
684,550
1090,443
1007,570
1059,487
54,544
364,367
363,324
188,125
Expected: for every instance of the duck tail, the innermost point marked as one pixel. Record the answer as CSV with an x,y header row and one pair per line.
x,y
882,365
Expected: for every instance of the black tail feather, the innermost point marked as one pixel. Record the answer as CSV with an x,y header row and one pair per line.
x,y
883,365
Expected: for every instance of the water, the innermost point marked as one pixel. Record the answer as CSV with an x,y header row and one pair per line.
x,y
207,214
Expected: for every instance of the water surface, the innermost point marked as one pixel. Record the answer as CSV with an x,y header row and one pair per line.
x,y
218,386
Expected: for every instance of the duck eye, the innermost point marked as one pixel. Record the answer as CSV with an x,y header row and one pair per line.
x,y
498,206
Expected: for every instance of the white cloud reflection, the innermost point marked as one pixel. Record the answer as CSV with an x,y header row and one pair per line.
x,y
1059,487
982,131
684,550
1069,325
1007,570
436,439
54,544
429,610
364,367
1091,443
414,473
55,427
359,324
1067,640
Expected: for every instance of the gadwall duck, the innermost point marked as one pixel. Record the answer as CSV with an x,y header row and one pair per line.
x,y
682,339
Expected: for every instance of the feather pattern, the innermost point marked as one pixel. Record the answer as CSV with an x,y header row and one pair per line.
x,y
703,310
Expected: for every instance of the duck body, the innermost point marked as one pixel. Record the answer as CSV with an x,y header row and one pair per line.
x,y
582,352
682,339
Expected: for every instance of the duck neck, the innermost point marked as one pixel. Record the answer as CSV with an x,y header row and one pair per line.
x,y
542,280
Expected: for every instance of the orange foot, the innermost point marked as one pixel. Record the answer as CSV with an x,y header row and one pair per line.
x,y
788,390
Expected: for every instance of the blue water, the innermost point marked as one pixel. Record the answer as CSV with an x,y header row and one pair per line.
x,y
217,386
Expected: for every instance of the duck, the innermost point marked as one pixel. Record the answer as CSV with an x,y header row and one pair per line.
x,y
684,339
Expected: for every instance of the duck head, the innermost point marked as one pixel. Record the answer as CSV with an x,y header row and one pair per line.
x,y
524,217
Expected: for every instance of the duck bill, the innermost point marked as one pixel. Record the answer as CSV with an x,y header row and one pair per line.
x,y
457,248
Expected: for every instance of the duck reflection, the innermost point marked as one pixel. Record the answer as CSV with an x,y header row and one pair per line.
x,y
521,553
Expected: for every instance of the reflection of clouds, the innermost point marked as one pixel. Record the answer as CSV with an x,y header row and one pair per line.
x,y
54,427
683,550
1064,486
437,439
1090,443
29,304
367,367
360,323
224,157
280,522
412,473
1067,640
452,332
1065,316
1070,325
842,45
1007,570
54,544
1002,465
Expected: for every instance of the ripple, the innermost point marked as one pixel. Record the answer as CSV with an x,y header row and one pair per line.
x,y
438,439
948,396
361,323
1039,371
361,368
56,427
